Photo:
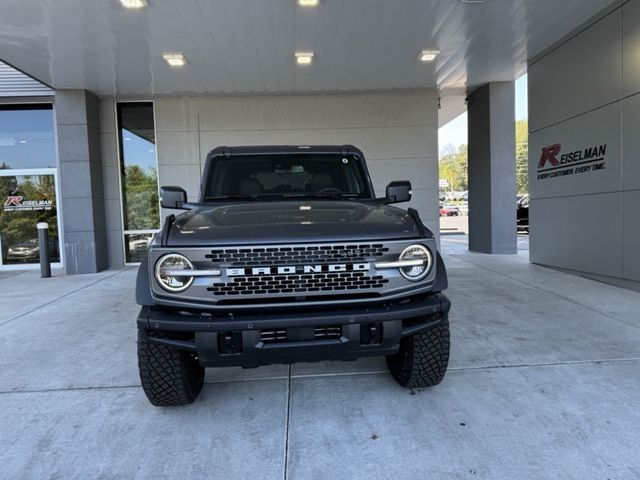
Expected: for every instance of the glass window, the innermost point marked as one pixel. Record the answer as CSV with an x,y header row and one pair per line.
x,y
277,175
27,200
141,210
26,137
135,246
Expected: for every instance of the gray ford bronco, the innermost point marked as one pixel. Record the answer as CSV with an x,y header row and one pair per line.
x,y
288,256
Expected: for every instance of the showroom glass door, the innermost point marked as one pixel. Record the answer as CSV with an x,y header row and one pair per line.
x,y
28,182
138,177
27,198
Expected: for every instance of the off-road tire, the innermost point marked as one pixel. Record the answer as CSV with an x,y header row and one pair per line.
x,y
170,377
423,358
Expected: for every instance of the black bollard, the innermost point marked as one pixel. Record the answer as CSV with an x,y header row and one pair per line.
x,y
43,245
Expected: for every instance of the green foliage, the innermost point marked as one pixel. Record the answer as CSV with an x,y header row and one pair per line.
x,y
19,227
453,167
522,156
141,198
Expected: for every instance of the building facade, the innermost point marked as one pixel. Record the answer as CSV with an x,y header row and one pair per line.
x,y
106,157
89,156
584,148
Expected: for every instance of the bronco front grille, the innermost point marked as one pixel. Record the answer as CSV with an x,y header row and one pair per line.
x,y
297,255
298,284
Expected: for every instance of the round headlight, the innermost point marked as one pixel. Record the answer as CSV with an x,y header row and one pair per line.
x,y
169,272
421,270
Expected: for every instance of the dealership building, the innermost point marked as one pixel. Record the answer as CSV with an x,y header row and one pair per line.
x,y
101,103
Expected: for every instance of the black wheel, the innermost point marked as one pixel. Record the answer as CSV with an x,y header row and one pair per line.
x,y
170,377
423,358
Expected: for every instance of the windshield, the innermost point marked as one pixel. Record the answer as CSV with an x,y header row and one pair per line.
x,y
286,176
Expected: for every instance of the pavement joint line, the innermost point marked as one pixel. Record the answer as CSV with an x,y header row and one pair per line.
x,y
62,296
550,292
70,389
328,375
546,364
115,387
286,428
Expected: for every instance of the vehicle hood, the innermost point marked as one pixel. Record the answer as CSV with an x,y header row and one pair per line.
x,y
290,222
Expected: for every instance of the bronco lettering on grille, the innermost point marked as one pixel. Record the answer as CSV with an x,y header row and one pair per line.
x,y
291,269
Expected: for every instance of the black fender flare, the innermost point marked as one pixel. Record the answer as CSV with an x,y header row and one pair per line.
x,y
442,281
143,288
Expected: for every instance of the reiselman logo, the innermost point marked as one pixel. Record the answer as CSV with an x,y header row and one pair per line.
x,y
13,201
554,164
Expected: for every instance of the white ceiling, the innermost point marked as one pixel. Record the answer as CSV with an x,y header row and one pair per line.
x,y
247,46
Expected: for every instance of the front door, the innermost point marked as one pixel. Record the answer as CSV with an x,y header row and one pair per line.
x,y
27,198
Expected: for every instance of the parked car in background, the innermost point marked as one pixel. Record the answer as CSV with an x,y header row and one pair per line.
x,y
523,214
456,196
463,208
449,211
23,252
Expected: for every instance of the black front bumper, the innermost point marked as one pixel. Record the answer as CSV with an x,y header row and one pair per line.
x,y
239,339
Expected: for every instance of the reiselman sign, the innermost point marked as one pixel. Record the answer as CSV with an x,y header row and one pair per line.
x,y
14,203
554,164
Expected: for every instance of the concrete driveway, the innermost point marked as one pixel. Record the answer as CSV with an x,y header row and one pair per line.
x,y
544,382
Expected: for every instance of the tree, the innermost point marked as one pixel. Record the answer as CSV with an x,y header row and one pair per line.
x,y
522,156
454,163
141,198
453,167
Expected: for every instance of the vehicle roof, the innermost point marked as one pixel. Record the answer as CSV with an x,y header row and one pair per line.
x,y
283,149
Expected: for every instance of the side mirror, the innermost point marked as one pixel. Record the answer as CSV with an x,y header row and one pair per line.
x,y
398,191
172,197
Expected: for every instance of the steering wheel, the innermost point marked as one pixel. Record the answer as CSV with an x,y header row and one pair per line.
x,y
330,190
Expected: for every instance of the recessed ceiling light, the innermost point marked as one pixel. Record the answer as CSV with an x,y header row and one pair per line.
x,y
304,58
473,1
134,4
308,3
428,55
175,59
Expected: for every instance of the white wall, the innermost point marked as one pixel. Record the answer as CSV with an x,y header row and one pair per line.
x,y
586,92
397,132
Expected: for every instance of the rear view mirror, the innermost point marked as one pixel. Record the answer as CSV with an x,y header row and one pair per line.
x,y
398,191
172,197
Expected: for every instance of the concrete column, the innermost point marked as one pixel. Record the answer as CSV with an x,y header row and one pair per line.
x,y
80,176
492,169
